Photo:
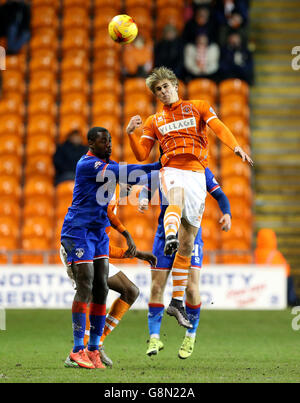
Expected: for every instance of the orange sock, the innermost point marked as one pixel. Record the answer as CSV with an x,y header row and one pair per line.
x,y
172,220
180,272
115,314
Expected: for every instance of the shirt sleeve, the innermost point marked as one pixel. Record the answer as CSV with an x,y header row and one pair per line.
x,y
116,252
218,127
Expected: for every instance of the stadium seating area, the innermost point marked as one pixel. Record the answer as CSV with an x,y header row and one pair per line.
x,y
54,86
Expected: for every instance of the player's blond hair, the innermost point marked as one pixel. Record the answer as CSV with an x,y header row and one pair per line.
x,y
158,74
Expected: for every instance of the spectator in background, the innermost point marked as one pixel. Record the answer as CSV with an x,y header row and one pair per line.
x,y
67,155
201,23
231,16
236,60
168,51
202,58
15,24
266,252
138,58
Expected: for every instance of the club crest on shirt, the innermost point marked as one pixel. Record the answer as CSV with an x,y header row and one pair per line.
x,y
97,164
79,252
187,109
159,119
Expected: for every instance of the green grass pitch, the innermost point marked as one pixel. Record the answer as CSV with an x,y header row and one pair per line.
x,y
232,346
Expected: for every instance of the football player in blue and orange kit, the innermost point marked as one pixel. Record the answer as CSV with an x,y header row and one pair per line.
x,y
160,273
85,240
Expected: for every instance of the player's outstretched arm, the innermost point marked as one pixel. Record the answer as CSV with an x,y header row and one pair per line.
x,y
224,206
141,147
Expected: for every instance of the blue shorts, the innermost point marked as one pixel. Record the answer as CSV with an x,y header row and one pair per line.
x,y
83,245
166,262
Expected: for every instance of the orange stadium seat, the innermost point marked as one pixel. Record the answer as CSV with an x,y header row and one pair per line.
x,y
9,208
11,124
233,98
10,187
40,145
106,83
202,88
75,17
45,38
43,60
76,3
74,81
110,122
35,244
235,167
41,124
140,104
16,62
41,81
136,85
72,122
107,60
34,227
106,103
8,244
74,103
75,38
102,41
50,3
64,190
40,208
116,4
75,60
234,86
12,103
44,17
38,190
12,81
39,166
11,144
235,109
139,3
40,103
10,165
235,187
9,227
62,208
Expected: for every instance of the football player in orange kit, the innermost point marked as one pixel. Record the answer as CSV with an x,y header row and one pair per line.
x,y
180,129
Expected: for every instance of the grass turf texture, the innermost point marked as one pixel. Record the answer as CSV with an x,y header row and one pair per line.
x,y
232,346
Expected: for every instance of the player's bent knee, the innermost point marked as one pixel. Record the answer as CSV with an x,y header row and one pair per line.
x,y
132,293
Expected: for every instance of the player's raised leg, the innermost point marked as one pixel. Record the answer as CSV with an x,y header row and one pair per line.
x,y
180,272
159,279
193,306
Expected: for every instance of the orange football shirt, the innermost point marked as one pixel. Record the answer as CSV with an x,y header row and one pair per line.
x,y
181,132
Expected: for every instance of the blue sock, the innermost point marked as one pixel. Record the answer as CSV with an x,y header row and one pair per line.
x,y
78,322
193,313
155,314
97,321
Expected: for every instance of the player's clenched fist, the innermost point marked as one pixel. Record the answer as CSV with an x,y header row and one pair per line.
x,y
134,123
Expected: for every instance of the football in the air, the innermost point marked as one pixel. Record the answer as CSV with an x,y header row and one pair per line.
x,y
122,29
